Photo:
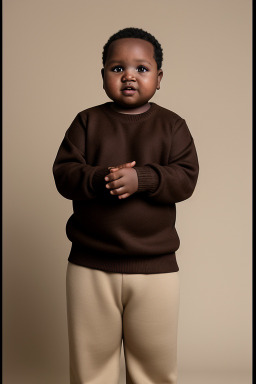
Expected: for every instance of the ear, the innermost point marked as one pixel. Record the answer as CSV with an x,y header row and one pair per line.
x,y
159,77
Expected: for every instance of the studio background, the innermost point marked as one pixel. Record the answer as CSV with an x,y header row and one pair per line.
x,y
51,71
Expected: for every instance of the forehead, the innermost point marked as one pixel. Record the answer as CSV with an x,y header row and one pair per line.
x,y
130,47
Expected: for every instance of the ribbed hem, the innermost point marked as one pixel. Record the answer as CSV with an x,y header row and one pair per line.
x,y
148,180
124,264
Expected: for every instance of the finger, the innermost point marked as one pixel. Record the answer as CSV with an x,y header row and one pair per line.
x,y
115,184
114,169
126,165
129,165
112,176
124,196
118,191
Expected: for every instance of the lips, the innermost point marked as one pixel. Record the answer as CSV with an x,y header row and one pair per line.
x,y
127,87
128,90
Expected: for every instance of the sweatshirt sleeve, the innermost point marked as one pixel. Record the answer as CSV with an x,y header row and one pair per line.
x,y
74,178
176,181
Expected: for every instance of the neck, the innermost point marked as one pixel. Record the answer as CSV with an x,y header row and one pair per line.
x,y
131,111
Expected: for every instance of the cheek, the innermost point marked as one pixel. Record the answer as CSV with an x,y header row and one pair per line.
x,y
111,83
150,83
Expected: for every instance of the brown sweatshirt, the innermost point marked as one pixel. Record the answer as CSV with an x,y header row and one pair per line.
x,y
136,234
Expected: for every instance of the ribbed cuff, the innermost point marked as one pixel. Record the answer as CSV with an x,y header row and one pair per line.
x,y
148,179
98,182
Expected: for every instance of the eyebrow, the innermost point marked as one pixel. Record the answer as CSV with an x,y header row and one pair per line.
x,y
137,60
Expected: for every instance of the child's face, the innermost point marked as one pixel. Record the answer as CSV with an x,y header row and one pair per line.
x,y
130,74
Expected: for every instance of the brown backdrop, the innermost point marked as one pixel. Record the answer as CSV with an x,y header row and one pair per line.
x,y
51,71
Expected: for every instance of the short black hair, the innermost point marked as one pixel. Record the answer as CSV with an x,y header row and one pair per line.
x,y
136,33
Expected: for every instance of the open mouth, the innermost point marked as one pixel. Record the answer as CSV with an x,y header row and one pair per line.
x,y
128,90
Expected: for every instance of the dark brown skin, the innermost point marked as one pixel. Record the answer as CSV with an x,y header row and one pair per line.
x,y
130,63
124,180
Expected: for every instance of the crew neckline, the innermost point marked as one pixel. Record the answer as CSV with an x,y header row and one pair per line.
x,y
129,116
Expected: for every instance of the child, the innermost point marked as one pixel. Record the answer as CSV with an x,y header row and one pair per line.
x,y
125,164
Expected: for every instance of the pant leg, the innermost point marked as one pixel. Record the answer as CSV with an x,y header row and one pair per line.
x,y
94,325
150,322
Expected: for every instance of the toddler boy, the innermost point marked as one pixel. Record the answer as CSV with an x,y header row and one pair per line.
x,y
125,164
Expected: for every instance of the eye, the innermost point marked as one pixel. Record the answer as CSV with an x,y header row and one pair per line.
x,y
141,68
117,68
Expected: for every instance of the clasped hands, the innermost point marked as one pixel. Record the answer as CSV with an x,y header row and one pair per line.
x,y
122,180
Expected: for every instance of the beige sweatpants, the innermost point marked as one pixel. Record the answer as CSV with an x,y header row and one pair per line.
x,y
103,308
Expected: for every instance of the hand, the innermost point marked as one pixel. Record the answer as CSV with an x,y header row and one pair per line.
x,y
123,182
126,165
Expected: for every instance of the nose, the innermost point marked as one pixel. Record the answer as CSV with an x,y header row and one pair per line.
x,y
128,75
